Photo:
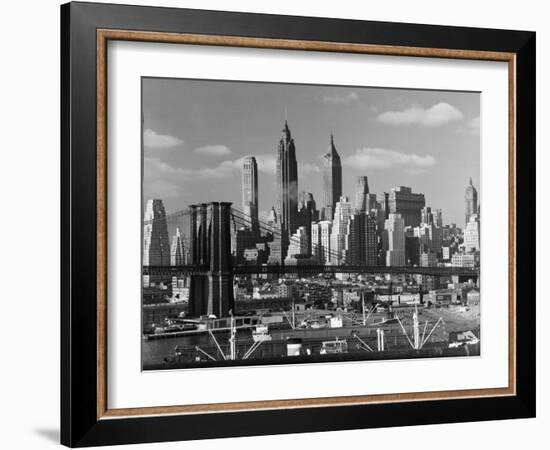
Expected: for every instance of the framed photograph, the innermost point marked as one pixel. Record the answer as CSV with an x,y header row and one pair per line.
x,y
277,224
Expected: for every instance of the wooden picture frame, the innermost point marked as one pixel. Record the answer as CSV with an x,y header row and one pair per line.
x,y
85,416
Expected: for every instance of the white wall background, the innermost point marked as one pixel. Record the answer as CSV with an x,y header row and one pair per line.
x,y
29,201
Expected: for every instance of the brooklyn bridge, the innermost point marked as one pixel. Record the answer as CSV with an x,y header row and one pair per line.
x,y
211,268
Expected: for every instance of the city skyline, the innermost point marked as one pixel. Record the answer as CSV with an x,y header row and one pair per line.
x,y
180,171
320,233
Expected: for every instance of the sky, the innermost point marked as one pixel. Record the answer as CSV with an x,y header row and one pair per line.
x,y
196,132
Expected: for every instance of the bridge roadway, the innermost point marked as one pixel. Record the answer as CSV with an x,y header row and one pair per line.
x,y
314,270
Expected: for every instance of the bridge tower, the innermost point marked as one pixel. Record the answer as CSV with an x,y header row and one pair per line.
x,y
211,292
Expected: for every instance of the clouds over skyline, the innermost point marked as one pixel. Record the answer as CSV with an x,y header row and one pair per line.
x,y
152,139
155,168
213,150
367,158
434,116
390,135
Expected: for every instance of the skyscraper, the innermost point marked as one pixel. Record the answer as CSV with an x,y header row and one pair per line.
x,y
383,200
325,233
177,255
429,236
332,180
406,203
471,234
438,218
250,190
470,198
156,246
394,236
287,188
342,214
298,246
307,214
426,215
316,242
371,202
361,243
361,191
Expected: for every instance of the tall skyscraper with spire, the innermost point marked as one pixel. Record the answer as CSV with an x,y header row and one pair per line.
x,y
361,191
332,180
470,198
250,191
287,188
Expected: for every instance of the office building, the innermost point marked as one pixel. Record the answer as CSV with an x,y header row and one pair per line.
x,y
287,187
438,218
471,234
465,260
426,215
298,246
316,242
325,229
428,258
403,201
361,191
383,199
156,245
342,214
394,236
430,236
470,199
332,180
361,241
250,191
177,255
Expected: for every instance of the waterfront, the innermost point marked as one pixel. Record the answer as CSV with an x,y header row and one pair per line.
x,y
169,351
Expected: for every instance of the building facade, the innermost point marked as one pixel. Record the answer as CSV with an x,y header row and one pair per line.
x,y
332,180
156,244
287,188
394,235
361,242
326,231
177,254
361,191
471,234
342,214
250,191
403,201
470,200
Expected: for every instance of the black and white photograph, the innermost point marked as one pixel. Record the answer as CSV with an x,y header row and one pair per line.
x,y
306,223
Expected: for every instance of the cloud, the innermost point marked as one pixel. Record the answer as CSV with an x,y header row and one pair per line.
x,y
379,158
266,163
154,168
213,150
473,126
162,189
307,169
152,139
434,116
350,97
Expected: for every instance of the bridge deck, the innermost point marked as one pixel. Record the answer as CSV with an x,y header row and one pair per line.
x,y
314,269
